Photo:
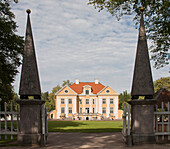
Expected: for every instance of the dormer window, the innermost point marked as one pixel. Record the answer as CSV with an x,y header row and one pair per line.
x,y
87,92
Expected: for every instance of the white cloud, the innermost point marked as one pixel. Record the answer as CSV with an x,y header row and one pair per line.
x,y
73,40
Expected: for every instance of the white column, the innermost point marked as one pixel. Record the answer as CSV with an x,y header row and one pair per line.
x,y
116,107
90,102
83,102
100,105
107,110
66,108
58,107
74,100
97,104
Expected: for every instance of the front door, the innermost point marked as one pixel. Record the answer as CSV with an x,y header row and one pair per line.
x,y
87,110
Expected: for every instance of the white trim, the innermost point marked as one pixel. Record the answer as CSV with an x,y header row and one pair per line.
x,y
66,93
66,107
90,100
107,110
100,105
115,107
74,101
58,107
108,93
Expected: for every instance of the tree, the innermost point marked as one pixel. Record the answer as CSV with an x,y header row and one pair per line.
x,y
162,82
156,14
11,50
66,83
123,97
50,97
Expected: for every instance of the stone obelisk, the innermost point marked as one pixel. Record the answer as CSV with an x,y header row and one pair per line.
x,y
30,109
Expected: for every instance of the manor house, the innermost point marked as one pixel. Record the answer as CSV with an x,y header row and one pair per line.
x,y
86,101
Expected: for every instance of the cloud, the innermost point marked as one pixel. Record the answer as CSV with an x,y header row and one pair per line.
x,y
73,40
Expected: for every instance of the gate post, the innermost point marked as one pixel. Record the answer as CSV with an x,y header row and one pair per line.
x,y
142,111
30,122
30,95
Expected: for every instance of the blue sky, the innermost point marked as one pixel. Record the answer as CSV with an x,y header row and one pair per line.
x,y
74,41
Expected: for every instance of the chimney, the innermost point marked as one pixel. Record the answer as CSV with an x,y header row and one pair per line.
x,y
77,81
96,81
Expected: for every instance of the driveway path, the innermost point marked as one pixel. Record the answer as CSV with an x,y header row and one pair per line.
x,y
90,140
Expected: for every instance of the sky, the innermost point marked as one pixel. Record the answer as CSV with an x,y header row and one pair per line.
x,y
74,41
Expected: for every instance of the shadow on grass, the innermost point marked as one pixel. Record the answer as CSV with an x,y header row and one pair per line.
x,y
84,126
97,130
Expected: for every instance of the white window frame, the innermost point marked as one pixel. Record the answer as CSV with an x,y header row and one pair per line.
x,y
93,101
62,110
93,110
81,110
111,99
87,92
80,101
104,110
69,109
104,101
87,101
69,101
62,101
111,110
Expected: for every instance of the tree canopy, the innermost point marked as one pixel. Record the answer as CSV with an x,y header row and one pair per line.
x,y
156,18
11,49
123,98
162,82
50,97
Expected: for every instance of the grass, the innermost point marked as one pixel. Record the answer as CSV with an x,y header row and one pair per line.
x,y
85,126
72,126
8,142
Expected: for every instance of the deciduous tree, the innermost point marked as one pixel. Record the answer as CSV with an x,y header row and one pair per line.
x,y
11,49
162,82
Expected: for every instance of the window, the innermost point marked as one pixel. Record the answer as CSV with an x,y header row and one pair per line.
x,y
104,109
107,91
69,101
70,110
80,110
93,101
80,101
52,116
87,92
104,101
66,91
93,110
62,101
87,101
111,101
111,109
62,110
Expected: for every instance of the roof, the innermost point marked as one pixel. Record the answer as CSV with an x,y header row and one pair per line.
x,y
162,95
78,88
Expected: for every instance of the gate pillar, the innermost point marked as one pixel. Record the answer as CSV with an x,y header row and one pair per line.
x,y
30,94
31,122
142,111
142,121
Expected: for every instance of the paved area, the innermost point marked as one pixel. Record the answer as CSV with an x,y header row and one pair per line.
x,y
90,140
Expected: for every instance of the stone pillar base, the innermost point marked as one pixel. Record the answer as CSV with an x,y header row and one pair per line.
x,y
142,121
31,139
143,138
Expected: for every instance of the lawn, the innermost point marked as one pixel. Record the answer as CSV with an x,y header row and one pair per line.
x,y
85,126
72,126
